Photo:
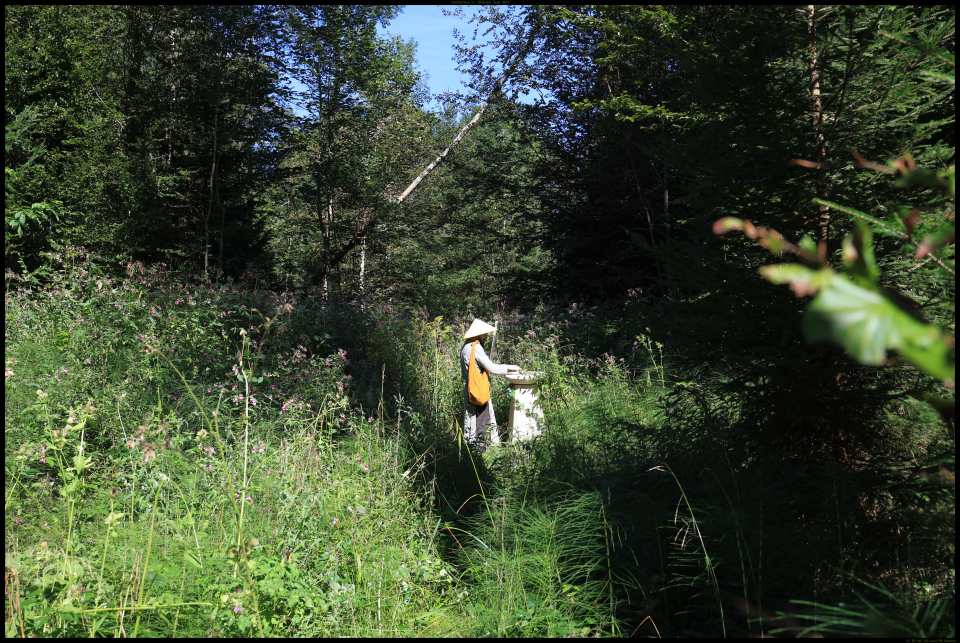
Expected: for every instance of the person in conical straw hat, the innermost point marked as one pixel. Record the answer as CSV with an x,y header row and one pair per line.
x,y
479,419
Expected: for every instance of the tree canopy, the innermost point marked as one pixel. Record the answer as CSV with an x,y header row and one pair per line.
x,y
174,133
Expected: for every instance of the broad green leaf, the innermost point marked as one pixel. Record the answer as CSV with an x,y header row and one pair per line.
x,y
858,319
867,324
924,178
858,256
80,463
945,406
942,237
803,281
808,244
784,273
727,224
931,350
113,517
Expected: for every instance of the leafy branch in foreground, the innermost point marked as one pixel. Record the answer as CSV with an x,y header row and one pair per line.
x,y
853,309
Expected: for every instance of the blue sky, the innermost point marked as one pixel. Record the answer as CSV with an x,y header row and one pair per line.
x,y
433,32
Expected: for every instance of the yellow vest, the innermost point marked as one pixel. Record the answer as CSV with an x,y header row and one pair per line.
x,y
478,384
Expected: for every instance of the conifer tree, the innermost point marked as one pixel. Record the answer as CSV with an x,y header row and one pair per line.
x,y
771,388
663,120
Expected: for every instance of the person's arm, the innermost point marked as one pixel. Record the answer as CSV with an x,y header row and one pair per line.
x,y
490,367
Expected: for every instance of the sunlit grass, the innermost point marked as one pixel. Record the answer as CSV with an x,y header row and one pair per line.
x,y
309,482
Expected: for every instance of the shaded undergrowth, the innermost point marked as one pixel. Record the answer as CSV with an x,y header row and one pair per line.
x,y
312,481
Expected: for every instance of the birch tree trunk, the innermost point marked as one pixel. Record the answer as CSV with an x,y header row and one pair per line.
x,y
363,263
666,177
327,283
817,112
213,181
646,207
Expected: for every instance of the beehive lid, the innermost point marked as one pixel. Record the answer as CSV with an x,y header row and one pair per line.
x,y
525,377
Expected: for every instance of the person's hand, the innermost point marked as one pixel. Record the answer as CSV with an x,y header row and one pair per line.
x,y
513,367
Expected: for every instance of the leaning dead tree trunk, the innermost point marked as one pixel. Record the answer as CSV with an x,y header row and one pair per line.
x,y
476,119
361,234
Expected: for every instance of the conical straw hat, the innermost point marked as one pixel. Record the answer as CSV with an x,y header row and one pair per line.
x,y
478,328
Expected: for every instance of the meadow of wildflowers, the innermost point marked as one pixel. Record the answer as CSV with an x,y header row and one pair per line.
x,y
214,489
243,460
202,418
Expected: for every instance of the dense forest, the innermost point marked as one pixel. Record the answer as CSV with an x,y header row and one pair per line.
x,y
241,254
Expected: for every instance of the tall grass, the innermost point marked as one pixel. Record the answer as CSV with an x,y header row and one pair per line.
x,y
326,533
703,539
535,570
200,505
310,481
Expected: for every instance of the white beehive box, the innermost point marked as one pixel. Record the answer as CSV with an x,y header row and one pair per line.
x,y
525,412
